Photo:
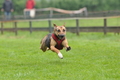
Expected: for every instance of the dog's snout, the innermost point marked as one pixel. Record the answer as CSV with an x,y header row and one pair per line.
x,y
61,36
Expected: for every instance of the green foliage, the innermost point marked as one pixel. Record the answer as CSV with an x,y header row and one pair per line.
x,y
92,5
19,6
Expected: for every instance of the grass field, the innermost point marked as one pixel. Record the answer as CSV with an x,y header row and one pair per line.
x,y
94,56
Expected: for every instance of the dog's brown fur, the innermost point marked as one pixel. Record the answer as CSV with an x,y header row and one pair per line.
x,y
60,32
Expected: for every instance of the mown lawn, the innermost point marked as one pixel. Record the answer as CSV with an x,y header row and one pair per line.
x,y
94,56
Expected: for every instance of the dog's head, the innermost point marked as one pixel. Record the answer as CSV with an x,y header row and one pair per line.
x,y
60,31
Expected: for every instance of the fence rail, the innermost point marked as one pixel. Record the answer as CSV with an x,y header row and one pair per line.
x,y
74,29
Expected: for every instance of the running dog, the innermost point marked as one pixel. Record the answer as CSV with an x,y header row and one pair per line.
x,y
55,41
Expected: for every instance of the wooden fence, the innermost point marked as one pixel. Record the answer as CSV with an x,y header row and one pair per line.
x,y
75,29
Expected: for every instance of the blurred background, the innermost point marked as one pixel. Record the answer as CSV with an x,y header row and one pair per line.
x,y
94,8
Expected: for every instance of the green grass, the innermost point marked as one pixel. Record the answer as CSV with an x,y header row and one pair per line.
x,y
68,23
94,56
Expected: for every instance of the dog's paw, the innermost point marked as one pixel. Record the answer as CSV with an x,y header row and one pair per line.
x,y
68,48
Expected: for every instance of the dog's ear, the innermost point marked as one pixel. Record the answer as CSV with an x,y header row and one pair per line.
x,y
55,25
64,24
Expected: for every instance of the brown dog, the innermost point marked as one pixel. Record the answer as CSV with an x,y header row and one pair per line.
x,y
55,41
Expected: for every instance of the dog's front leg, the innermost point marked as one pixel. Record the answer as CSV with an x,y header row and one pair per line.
x,y
57,51
65,44
52,47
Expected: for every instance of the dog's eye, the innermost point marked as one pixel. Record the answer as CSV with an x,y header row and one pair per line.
x,y
63,30
58,30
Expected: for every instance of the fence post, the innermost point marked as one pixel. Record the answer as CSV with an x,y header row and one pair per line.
x,y
1,27
30,23
51,13
77,26
50,26
15,26
105,26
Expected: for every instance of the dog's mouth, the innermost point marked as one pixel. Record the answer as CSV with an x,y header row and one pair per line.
x,y
61,36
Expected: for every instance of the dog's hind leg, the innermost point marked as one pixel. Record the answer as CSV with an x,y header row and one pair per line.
x,y
43,46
